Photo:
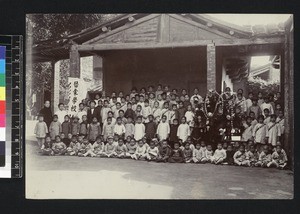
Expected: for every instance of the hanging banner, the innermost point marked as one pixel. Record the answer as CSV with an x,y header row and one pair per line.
x,y
77,92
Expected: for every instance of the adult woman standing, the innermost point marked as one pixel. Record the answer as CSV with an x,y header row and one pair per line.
x,y
47,113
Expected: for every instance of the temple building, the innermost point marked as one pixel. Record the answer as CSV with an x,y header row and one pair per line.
x,y
179,50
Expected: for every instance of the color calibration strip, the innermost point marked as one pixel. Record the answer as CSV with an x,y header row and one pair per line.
x,y
13,113
2,106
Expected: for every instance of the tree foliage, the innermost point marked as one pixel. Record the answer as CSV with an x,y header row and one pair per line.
x,y
257,84
41,27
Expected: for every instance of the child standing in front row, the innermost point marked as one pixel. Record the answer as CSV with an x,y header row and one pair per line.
x,y
139,129
259,132
55,127
83,130
94,130
66,126
163,129
273,131
183,131
40,131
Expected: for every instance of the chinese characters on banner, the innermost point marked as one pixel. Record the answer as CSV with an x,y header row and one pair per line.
x,y
76,95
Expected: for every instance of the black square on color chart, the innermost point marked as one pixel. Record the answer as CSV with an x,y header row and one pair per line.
x,y
2,153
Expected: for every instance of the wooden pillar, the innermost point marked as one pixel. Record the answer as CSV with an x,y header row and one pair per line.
x,y
74,62
55,85
289,93
211,67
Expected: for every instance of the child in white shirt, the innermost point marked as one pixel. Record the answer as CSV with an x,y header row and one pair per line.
x,y
183,131
189,114
139,129
140,152
163,129
219,155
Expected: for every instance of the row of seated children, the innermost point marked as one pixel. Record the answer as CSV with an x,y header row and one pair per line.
x,y
232,154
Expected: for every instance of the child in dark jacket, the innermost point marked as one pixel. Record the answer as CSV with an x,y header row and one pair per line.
x,y
176,155
163,152
66,126
229,155
173,132
150,128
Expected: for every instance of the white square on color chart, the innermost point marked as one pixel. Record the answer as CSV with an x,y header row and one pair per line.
x,y
2,134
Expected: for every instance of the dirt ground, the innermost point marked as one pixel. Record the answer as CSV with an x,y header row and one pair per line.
x,y
102,178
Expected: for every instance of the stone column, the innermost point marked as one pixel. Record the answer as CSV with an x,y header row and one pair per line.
x,y
55,86
211,66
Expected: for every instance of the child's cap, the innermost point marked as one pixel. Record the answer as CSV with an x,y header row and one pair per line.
x,y
110,137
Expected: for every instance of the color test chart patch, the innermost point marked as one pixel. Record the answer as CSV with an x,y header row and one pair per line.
x,y
2,105
11,75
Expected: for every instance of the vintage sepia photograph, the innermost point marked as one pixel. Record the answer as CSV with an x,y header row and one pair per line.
x,y
159,106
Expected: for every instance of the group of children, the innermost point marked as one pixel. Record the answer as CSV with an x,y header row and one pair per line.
x,y
145,126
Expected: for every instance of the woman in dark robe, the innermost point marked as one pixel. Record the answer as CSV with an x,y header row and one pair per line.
x,y
47,113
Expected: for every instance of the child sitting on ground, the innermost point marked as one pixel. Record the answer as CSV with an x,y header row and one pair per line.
x,y
197,154
188,153
176,155
98,146
219,155
208,155
58,148
73,146
264,157
46,147
109,150
86,149
252,155
121,149
279,158
152,151
240,158
164,152
140,152
131,148
229,156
